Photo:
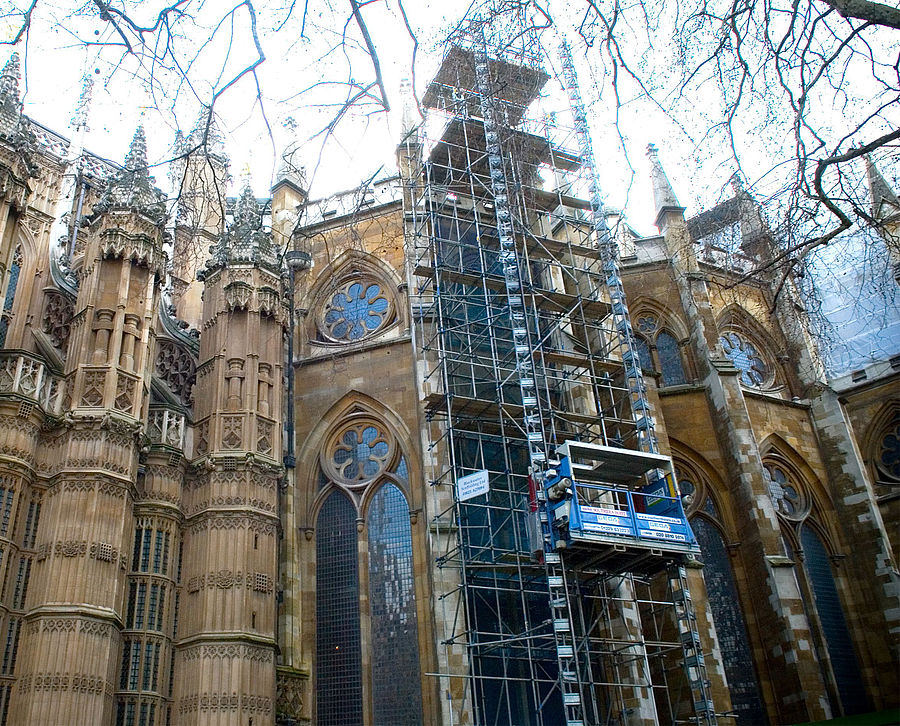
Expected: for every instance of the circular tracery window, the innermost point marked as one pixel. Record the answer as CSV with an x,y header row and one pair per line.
x,y
786,496
360,453
356,310
744,356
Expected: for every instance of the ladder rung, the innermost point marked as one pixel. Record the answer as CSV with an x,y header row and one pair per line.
x,y
572,699
555,581
565,651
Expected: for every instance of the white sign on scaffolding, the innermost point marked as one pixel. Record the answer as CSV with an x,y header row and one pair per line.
x,y
472,485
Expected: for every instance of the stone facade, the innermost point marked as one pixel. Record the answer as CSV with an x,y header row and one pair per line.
x,y
169,515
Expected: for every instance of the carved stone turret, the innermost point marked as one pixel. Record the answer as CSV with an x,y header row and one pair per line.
x,y
199,177
226,639
76,606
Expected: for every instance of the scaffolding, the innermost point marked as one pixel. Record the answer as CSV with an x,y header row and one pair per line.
x,y
526,364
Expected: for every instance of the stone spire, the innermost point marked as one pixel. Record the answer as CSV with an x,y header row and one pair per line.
x,y
291,169
133,188
206,134
245,241
409,121
879,189
663,194
10,105
79,120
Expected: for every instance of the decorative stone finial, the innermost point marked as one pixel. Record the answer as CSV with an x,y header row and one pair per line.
x,y
663,194
245,241
80,117
9,86
133,187
291,169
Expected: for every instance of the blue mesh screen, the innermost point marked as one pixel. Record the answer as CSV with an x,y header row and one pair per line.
x,y
730,625
396,695
831,615
338,664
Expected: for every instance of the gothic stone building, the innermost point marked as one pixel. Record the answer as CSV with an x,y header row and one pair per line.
x,y
216,482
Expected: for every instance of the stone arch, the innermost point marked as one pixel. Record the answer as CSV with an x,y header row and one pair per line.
x,y
348,267
22,249
775,447
670,328
354,404
883,423
714,487
735,318
668,318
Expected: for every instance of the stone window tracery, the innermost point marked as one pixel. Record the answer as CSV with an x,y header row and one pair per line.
x,y
743,354
359,308
887,453
362,455
786,493
12,283
659,350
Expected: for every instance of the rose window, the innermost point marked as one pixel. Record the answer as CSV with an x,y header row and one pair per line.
x,y
361,453
355,311
744,356
784,494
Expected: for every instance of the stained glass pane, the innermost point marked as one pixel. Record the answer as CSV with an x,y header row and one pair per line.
x,y
338,664
396,693
643,350
837,638
355,311
669,360
731,627
745,358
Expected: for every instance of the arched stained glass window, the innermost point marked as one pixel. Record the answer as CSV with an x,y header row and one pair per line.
x,y
338,660
12,282
669,360
731,627
834,626
396,693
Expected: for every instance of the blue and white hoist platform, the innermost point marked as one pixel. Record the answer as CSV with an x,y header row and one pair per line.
x,y
616,503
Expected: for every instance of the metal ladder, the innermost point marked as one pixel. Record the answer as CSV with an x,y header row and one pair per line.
x,y
532,416
686,620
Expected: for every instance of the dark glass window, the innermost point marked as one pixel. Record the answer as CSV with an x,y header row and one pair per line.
x,y
642,348
6,501
338,663
731,627
13,282
395,644
837,638
669,360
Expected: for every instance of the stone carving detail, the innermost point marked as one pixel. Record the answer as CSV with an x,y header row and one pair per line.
x,y
93,388
201,448
232,432
175,366
262,583
79,682
245,652
58,319
125,393
237,295
290,689
225,702
104,552
71,548
266,435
